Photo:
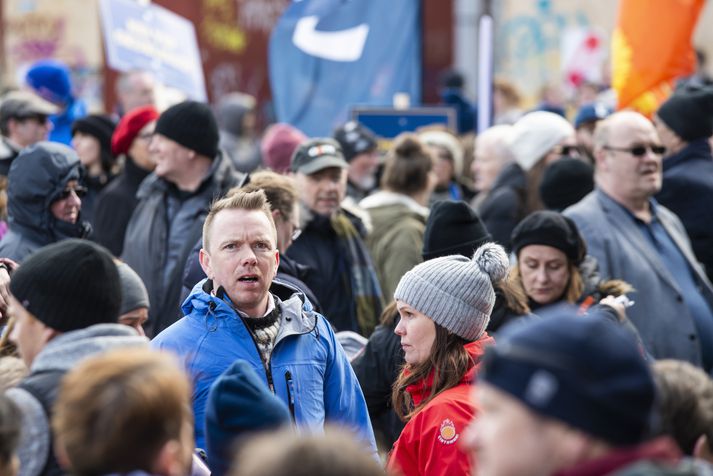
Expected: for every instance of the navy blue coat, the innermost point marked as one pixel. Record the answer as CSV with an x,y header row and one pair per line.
x,y
688,192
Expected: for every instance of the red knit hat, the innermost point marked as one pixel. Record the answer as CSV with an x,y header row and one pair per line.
x,y
278,145
129,127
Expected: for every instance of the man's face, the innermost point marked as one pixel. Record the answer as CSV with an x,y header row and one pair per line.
x,y
585,138
362,169
486,166
25,132
507,439
136,319
620,172
29,334
323,191
241,257
67,206
172,159
139,93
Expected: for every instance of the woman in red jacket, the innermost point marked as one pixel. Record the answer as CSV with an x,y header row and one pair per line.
x,y
444,306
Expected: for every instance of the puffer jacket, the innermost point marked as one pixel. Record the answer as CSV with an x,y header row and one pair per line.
x,y
35,181
429,444
161,233
308,369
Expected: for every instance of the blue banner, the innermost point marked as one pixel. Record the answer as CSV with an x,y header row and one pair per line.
x,y
327,56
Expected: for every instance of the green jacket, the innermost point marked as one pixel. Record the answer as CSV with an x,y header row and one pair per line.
x,y
396,240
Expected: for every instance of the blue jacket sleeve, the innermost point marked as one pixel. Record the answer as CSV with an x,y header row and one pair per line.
x,y
344,402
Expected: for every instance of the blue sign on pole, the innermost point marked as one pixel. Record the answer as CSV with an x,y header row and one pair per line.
x,y
388,123
326,56
151,38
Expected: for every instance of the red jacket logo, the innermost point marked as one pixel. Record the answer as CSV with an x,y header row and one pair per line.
x,y
447,434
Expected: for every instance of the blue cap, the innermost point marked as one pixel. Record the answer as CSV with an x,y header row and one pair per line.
x,y
595,111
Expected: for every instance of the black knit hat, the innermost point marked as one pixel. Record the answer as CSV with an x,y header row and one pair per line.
x,y
102,127
191,124
453,228
354,139
551,229
69,285
565,182
689,113
585,371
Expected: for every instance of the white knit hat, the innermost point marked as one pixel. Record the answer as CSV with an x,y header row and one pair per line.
x,y
535,134
454,291
450,143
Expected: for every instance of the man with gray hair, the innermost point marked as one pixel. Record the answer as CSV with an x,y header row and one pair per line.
x,y
135,88
500,183
635,239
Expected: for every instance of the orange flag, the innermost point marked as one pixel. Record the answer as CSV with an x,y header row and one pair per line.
x,y
651,47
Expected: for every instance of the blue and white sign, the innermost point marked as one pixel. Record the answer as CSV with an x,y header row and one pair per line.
x,y
327,56
151,38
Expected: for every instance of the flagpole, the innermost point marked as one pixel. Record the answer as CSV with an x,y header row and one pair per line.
x,y
485,67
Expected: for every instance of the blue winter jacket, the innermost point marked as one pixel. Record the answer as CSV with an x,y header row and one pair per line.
x,y
308,368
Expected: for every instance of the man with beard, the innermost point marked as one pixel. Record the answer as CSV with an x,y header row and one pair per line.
x,y
342,275
635,239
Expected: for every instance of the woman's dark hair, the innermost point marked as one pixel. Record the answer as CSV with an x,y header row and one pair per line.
x,y
407,166
449,362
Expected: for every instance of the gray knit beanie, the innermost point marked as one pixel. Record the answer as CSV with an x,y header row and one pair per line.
x,y
133,291
456,292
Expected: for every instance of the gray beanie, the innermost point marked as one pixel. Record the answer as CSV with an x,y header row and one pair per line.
x,y
133,291
456,292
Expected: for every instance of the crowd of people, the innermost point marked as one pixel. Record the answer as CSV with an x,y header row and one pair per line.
x,y
181,295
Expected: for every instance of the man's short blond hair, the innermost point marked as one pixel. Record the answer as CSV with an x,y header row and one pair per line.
x,y
116,411
239,200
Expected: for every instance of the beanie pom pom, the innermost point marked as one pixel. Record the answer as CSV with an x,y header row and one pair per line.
x,y
492,259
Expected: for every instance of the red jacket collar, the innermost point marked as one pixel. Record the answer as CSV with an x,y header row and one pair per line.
x,y
422,389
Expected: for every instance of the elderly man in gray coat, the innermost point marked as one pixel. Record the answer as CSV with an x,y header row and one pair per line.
x,y
637,240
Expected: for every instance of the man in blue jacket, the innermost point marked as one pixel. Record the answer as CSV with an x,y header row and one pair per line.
x,y
239,313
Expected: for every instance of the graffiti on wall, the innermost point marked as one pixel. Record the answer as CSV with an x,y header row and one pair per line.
x,y
529,42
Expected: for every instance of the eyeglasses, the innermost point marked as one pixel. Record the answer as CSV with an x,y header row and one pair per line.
x,y
78,191
639,150
145,136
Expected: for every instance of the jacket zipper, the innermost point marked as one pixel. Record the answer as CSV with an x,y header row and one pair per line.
x,y
289,384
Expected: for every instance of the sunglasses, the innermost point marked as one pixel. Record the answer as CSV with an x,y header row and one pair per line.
x,y
639,150
569,150
78,191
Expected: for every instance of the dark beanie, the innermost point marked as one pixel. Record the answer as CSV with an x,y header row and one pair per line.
x,y
551,229
453,228
191,124
689,113
585,371
102,128
239,405
565,182
354,139
69,285
96,125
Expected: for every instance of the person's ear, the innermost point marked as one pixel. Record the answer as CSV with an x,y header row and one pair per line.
x,y
204,259
170,460
702,449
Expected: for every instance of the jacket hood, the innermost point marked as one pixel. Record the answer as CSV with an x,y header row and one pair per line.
x,y
37,177
388,199
66,350
475,349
